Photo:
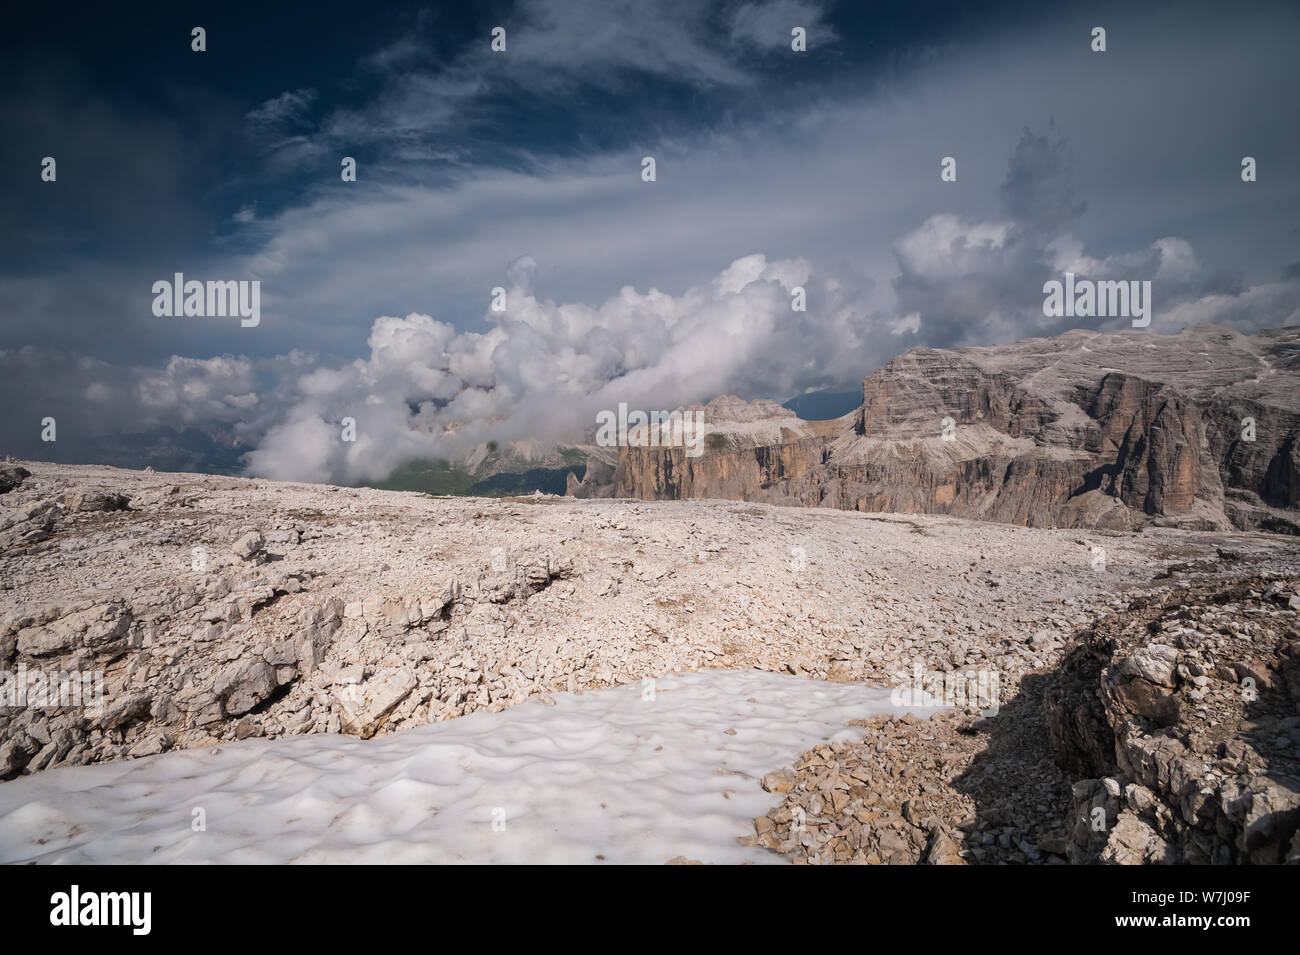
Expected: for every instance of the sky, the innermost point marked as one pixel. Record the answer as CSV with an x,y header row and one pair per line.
x,y
522,170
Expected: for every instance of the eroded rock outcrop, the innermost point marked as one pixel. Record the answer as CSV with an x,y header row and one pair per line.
x,y
1167,733
1190,722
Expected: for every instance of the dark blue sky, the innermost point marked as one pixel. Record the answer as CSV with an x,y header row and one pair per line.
x,y
156,146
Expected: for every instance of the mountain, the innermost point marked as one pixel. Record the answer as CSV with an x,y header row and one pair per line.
x,y
495,470
209,450
1087,429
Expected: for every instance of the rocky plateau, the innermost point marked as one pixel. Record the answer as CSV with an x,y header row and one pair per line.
x,y
1198,429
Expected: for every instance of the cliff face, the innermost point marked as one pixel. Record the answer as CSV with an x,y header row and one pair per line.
x,y
1088,429
745,474
1154,436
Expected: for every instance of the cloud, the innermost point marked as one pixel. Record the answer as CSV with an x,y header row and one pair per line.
x,y
834,170
195,390
767,26
1272,305
558,46
288,109
969,281
540,370
554,49
1039,189
543,369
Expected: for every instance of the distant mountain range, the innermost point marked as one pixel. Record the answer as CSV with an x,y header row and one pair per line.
x,y
192,450
1087,429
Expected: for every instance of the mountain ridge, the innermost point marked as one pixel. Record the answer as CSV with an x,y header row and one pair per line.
x,y
1087,429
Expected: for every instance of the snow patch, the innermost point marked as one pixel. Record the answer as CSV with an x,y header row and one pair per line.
x,y
605,776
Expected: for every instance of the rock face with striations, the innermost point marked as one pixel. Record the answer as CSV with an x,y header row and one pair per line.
x,y
1088,429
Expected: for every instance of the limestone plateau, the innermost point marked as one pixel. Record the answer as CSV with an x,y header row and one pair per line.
x,y
1087,429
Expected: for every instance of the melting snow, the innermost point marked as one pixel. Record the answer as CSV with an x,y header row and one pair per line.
x,y
603,774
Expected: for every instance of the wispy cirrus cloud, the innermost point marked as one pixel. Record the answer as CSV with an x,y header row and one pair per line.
x,y
289,108
768,26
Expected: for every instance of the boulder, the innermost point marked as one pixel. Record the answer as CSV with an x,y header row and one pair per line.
x,y
244,685
781,781
251,547
94,628
11,476
1133,842
364,709
1143,684
942,850
124,711
94,499
317,627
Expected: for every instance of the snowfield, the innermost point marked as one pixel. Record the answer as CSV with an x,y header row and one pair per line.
x,y
617,775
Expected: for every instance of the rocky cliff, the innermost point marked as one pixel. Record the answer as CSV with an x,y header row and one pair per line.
x,y
1088,429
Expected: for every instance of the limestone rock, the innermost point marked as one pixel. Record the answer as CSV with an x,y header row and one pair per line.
x,y
11,476
943,850
94,628
244,685
1134,842
363,709
1089,429
250,547
781,781
94,499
